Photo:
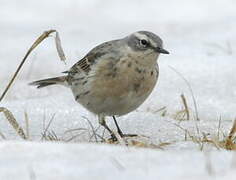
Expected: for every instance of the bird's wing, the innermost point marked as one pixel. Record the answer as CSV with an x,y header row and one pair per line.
x,y
86,64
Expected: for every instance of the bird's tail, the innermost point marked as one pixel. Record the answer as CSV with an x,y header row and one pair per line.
x,y
62,80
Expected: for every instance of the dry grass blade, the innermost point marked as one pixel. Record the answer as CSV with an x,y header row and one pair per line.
x,y
59,48
83,130
180,115
2,136
34,45
101,137
218,130
76,129
183,114
230,145
162,110
187,133
200,139
44,135
233,130
93,129
141,144
27,125
191,91
11,119
52,136
185,105
74,136
71,133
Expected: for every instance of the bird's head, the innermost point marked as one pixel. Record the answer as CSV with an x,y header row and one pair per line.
x,y
146,42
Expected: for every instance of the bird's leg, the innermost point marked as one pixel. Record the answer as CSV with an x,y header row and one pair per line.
x,y
102,121
119,130
117,127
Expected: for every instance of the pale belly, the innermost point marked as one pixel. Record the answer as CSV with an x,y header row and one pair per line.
x,y
112,105
117,94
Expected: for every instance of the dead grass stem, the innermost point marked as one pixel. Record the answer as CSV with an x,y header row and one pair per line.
x,y
34,45
196,117
12,121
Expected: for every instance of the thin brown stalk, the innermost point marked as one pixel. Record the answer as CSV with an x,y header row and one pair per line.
x,y
191,91
218,130
233,130
12,120
92,127
160,109
47,127
230,144
185,105
27,125
34,45
2,136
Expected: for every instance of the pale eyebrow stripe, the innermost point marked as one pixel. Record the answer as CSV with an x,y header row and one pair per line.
x,y
143,36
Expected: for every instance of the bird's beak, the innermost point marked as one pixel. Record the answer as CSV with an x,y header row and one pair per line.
x,y
161,50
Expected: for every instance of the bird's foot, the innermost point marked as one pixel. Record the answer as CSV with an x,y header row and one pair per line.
x,y
126,135
129,135
114,139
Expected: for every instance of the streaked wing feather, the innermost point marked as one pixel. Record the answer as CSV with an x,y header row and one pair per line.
x,y
85,64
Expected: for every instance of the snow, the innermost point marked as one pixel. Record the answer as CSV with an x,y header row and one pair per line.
x,y
200,34
91,161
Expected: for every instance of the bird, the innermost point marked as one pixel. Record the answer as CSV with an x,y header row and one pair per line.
x,y
115,77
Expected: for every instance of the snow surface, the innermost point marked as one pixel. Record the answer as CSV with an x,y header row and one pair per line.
x,y
91,161
200,34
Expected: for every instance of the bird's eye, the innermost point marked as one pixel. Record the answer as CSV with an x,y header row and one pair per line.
x,y
143,42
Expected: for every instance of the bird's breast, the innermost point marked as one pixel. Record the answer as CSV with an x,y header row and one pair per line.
x,y
122,77
117,87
